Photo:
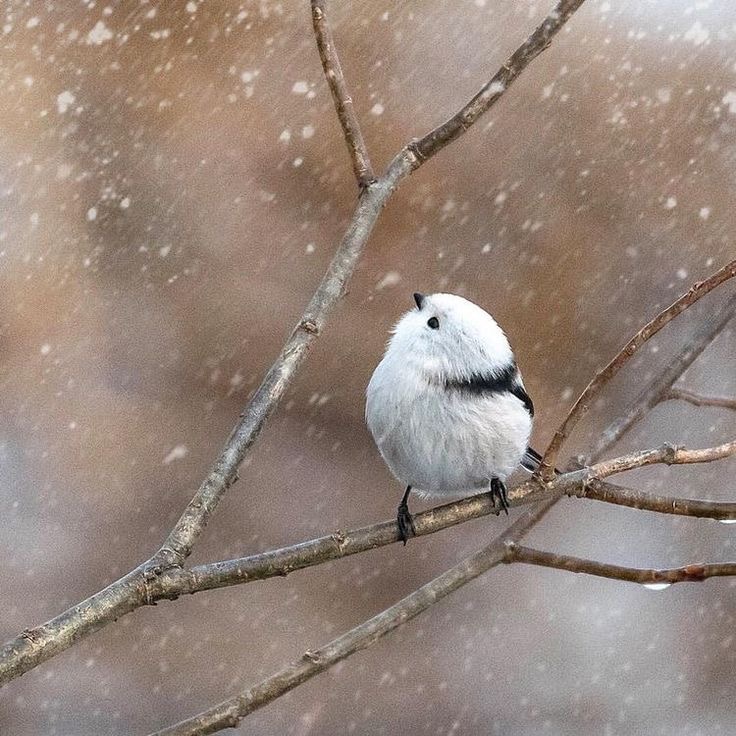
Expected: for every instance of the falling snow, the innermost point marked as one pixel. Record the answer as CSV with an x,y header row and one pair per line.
x,y
176,453
697,34
99,34
64,100
730,99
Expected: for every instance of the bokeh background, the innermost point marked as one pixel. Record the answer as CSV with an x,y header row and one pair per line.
x,y
173,183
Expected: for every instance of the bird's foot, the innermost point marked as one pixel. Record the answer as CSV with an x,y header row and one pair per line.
x,y
405,522
498,493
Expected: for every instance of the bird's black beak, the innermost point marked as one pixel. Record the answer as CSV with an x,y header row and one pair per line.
x,y
419,299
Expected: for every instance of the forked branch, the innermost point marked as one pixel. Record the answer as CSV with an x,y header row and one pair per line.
x,y
580,407
696,399
36,645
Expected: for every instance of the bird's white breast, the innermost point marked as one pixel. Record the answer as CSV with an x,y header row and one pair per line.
x,y
442,441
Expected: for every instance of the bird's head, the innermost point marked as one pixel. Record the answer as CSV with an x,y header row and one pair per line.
x,y
449,337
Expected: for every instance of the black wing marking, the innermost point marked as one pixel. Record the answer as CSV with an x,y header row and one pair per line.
x,y
505,381
520,392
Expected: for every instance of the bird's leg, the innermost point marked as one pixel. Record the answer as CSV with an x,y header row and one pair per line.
x,y
404,520
498,491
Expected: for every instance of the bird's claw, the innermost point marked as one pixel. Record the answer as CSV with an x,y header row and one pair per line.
x,y
498,492
406,523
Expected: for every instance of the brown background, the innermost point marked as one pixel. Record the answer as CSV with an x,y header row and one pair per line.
x,y
163,223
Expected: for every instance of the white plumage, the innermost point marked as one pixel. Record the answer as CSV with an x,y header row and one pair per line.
x,y
446,405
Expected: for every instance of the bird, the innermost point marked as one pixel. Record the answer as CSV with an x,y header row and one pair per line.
x,y
447,407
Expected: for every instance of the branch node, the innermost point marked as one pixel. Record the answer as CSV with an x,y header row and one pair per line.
x,y
339,538
310,326
509,552
414,153
312,656
150,573
669,453
31,635
694,572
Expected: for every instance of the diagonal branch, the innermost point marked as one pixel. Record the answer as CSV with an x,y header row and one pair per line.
x,y
655,392
230,712
180,541
696,399
663,578
599,490
341,96
579,409
538,41
36,645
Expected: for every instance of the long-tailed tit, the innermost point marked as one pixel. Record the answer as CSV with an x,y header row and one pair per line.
x,y
447,407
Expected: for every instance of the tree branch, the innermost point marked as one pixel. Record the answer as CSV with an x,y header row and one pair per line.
x,y
655,392
34,646
579,409
489,93
599,490
40,643
687,574
667,454
341,96
580,484
229,713
682,394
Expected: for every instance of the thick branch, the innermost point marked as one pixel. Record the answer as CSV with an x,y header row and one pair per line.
x,y
37,645
40,643
489,94
179,544
687,574
682,394
603,376
230,712
341,96
19,655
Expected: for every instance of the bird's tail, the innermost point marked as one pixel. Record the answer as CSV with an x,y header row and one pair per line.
x,y
532,460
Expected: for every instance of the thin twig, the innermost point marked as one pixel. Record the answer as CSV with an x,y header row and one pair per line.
x,y
669,576
537,42
341,96
36,645
667,454
599,490
230,712
692,397
655,392
580,407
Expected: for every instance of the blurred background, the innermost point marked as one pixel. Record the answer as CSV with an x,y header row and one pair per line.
x,y
173,183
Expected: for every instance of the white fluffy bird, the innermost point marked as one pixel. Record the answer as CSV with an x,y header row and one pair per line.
x,y
446,406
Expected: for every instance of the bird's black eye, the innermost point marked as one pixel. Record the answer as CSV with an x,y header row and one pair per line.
x,y
434,323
